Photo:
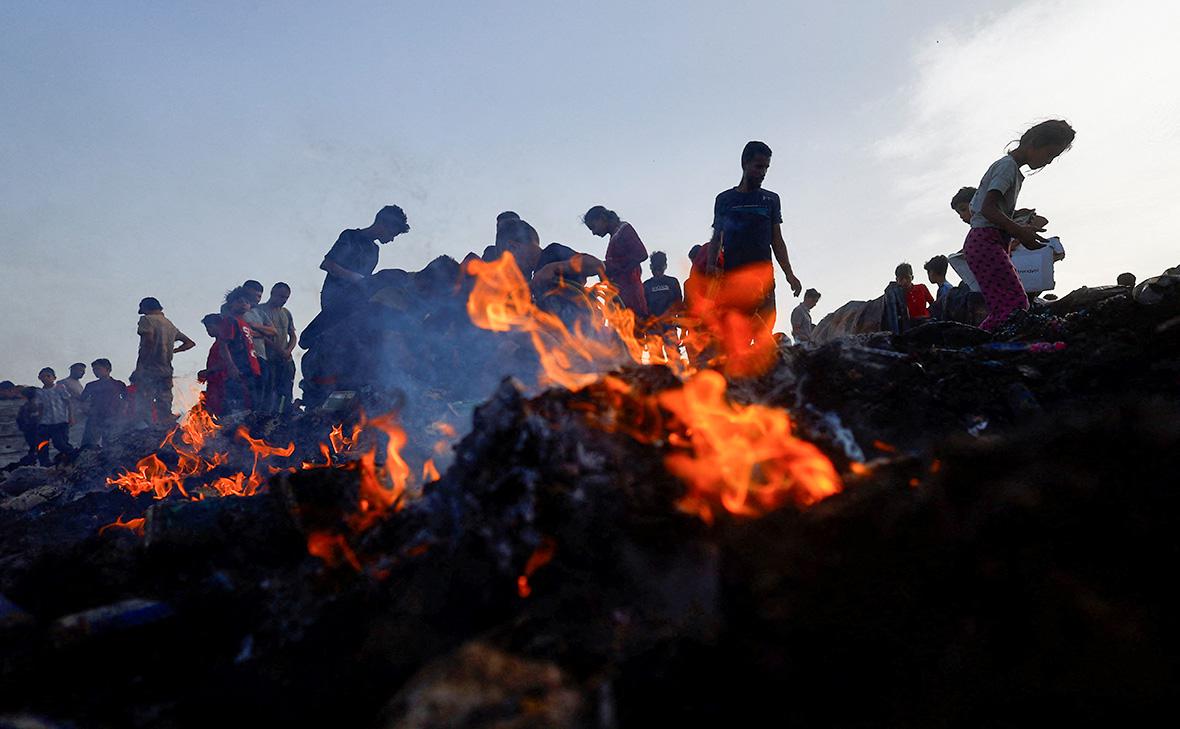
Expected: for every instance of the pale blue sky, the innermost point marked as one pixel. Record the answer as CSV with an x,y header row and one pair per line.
x,y
176,149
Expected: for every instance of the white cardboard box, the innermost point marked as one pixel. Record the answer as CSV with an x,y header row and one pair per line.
x,y
1035,268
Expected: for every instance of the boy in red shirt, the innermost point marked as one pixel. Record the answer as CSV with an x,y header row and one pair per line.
x,y
917,296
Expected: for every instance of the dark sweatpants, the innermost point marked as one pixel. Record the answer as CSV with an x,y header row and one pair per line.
x,y
59,435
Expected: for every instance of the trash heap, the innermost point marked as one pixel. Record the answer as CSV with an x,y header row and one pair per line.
x,y
996,550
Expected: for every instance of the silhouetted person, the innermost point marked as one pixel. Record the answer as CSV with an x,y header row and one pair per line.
x,y
104,399
661,291
354,255
279,347
801,326
624,254
53,425
152,377
492,252
28,421
747,234
936,271
961,203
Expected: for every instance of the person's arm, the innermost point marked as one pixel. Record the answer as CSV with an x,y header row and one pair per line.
x,y
185,343
779,246
678,300
1026,234
292,337
581,264
340,272
231,369
265,330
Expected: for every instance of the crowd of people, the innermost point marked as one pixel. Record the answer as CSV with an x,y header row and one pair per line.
x,y
249,367
250,364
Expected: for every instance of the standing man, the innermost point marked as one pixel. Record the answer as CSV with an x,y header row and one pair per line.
x,y
152,377
353,257
262,329
73,385
280,347
801,326
747,232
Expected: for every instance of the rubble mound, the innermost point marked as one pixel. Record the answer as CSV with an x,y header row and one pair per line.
x,y
996,554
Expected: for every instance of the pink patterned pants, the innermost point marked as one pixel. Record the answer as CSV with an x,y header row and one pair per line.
x,y
986,251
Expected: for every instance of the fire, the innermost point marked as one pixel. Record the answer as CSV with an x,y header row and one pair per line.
x,y
341,442
135,525
743,456
187,440
151,475
540,557
604,339
333,549
429,472
43,444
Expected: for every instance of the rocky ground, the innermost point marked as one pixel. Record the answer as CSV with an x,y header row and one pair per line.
x,y
998,555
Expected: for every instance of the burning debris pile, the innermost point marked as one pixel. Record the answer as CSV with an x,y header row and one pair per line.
x,y
930,529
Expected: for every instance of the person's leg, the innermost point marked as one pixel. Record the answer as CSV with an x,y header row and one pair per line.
x,y
998,281
59,435
91,435
260,386
143,399
284,384
164,399
31,441
44,438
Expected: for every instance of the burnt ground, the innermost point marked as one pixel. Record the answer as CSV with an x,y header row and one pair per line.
x,y
1000,559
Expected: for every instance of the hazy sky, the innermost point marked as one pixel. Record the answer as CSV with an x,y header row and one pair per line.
x,y
176,149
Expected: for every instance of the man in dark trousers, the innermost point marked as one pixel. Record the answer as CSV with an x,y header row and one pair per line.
x,y
747,233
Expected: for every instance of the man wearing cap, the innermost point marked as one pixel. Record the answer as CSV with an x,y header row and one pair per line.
x,y
158,341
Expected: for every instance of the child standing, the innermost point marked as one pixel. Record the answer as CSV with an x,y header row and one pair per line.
x,y
54,425
992,227
28,420
917,296
104,396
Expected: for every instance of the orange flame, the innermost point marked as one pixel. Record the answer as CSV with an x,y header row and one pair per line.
x,y
333,549
733,319
150,475
501,301
540,557
375,498
741,455
195,430
135,525
429,472
42,444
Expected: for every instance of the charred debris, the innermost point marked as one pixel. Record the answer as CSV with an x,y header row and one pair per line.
x,y
998,550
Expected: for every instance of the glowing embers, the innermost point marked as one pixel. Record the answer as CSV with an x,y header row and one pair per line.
x,y
540,557
135,526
